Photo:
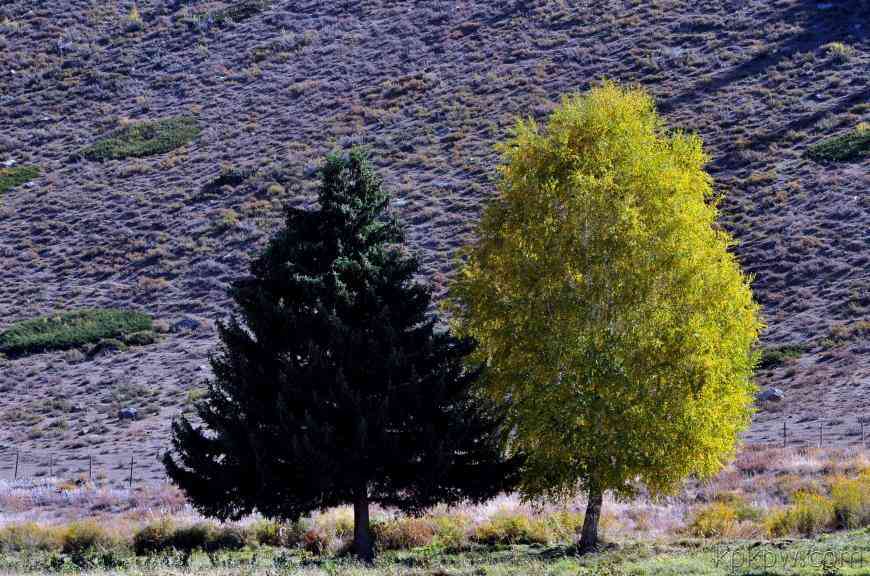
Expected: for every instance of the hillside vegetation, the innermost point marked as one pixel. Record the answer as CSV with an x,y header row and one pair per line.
x,y
777,90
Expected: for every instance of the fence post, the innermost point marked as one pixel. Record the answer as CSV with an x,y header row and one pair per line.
x,y
863,445
17,458
131,472
820,433
784,434
50,466
90,468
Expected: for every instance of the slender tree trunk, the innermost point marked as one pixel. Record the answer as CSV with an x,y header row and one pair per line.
x,y
363,546
589,536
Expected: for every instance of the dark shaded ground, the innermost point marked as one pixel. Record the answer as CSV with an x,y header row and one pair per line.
x,y
430,87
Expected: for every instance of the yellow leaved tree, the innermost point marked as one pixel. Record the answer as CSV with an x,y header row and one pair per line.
x,y
616,326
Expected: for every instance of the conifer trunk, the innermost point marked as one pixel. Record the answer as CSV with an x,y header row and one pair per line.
x,y
589,536
363,547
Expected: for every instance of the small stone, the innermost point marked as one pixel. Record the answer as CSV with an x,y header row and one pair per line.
x,y
771,395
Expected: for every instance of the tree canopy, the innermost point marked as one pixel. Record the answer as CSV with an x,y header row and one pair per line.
x,y
615,323
332,383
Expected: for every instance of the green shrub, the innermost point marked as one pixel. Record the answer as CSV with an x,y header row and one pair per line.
x,y
107,345
809,514
838,51
144,139
188,539
773,357
226,538
237,12
743,511
84,536
715,520
853,145
154,537
164,535
850,498
779,523
16,175
813,513
506,528
564,525
229,176
266,533
451,532
29,537
142,338
70,330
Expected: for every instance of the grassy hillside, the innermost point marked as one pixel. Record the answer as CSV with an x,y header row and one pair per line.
x,y
161,223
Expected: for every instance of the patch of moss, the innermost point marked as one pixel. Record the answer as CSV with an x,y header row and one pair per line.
x,y
16,175
144,139
853,145
71,330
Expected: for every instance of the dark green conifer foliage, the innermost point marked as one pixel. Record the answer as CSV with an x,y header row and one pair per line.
x,y
332,385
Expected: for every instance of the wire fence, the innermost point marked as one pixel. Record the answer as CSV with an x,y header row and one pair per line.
x,y
121,468
822,433
133,468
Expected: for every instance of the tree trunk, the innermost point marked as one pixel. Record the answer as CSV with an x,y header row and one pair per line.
x,y
363,547
589,536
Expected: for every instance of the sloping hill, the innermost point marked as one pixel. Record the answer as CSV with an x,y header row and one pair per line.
x,y
429,86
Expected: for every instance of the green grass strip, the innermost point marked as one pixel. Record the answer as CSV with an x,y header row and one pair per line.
x,y
16,175
853,145
144,139
71,330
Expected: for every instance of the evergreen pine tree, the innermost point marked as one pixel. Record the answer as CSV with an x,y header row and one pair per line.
x,y
331,384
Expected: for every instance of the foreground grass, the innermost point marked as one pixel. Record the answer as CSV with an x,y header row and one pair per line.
x,y
844,554
144,139
771,511
72,330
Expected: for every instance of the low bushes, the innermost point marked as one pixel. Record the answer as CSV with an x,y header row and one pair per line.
x,y
403,533
83,543
773,357
163,535
809,514
267,533
83,536
154,537
29,536
144,139
228,176
847,147
235,13
16,175
71,330
716,520
512,528
847,507
850,498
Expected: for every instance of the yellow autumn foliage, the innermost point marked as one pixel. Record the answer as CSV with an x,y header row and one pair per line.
x,y
616,324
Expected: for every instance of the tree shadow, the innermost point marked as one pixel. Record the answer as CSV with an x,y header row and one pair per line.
x,y
818,23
